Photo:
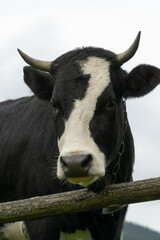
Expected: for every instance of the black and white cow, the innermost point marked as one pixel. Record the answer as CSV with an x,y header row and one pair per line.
x,y
73,133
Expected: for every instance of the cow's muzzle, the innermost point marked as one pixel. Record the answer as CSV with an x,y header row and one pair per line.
x,y
80,167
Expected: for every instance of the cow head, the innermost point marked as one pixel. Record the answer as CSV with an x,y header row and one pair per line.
x,y
86,87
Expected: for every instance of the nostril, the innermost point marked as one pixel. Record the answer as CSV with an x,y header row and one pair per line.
x,y
86,163
63,164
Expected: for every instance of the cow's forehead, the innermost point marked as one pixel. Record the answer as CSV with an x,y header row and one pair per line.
x,y
74,75
87,86
99,76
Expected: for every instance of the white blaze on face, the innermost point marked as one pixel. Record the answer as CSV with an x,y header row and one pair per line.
x,y
76,137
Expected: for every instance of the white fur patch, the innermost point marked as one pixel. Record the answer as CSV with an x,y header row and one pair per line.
x,y
78,235
76,136
14,231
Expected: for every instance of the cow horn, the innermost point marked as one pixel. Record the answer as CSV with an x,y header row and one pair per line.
x,y
39,64
129,53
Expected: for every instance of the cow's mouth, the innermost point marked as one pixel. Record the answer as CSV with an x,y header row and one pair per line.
x,y
83,181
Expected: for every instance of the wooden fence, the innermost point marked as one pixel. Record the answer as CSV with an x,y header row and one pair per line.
x,y
80,200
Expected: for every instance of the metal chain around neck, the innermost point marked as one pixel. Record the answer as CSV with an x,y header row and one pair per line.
x,y
122,147
111,210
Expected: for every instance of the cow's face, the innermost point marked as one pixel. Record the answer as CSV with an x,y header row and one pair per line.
x,y
89,117
85,88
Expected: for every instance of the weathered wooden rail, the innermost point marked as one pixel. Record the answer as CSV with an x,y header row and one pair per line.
x,y
80,200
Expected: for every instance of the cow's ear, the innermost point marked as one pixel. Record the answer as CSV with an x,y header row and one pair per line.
x,y
39,82
141,80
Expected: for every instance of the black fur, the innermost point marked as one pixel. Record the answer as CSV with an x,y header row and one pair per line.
x,y
30,128
42,85
141,80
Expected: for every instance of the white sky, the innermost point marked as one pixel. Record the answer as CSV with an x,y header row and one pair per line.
x,y
47,29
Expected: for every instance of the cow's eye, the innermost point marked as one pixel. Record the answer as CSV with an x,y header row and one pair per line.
x,y
110,104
